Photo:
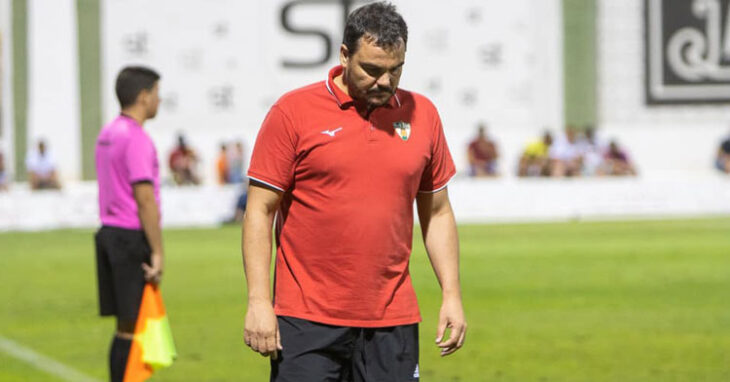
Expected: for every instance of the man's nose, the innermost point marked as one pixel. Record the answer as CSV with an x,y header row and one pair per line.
x,y
384,80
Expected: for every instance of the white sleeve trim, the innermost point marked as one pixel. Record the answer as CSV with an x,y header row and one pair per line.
x,y
266,183
438,189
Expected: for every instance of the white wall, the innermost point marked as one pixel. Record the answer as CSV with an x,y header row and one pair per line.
x,y
518,98
662,139
510,200
6,90
53,82
200,46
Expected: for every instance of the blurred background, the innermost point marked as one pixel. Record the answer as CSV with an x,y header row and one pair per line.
x,y
648,76
554,111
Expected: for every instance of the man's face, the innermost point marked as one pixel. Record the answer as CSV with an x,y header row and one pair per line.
x,y
570,134
372,73
547,139
151,99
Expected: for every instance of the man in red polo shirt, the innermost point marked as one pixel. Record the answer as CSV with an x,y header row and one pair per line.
x,y
339,163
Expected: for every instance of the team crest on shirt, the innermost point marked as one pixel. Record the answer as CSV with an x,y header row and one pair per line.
x,y
403,129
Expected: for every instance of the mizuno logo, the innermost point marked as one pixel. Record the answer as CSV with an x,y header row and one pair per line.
x,y
332,133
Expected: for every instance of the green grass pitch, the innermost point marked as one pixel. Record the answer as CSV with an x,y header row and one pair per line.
x,y
613,301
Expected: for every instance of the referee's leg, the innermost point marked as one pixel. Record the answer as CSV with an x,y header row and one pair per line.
x,y
119,350
120,254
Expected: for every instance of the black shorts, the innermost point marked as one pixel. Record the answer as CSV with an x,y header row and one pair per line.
x,y
119,256
317,352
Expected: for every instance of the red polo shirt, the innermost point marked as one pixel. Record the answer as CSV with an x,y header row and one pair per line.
x,y
345,225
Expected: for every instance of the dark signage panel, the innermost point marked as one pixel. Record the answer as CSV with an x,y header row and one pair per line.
x,y
687,51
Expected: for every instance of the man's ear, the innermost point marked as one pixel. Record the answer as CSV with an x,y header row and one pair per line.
x,y
143,97
344,55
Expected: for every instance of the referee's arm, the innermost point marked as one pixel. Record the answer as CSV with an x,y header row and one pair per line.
x,y
261,331
149,216
438,227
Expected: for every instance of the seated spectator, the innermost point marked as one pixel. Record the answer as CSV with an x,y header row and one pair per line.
x,y
183,164
482,155
3,174
722,162
235,164
616,162
237,217
222,165
565,157
592,151
41,169
534,160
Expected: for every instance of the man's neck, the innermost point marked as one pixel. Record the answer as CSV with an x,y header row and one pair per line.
x,y
340,83
136,115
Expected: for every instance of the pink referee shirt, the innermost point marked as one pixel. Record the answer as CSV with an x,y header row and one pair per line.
x,y
345,225
125,155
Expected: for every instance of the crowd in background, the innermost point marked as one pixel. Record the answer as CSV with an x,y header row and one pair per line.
x,y
573,153
482,154
184,163
41,168
230,163
229,166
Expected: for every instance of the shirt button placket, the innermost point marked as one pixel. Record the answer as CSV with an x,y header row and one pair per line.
x,y
370,131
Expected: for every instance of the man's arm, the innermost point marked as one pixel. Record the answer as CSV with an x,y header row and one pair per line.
x,y
149,216
261,331
470,156
442,244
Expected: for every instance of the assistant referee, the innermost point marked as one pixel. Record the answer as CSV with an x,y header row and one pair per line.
x,y
129,243
339,163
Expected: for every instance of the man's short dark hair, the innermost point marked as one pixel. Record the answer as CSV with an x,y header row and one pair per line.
x,y
131,81
379,20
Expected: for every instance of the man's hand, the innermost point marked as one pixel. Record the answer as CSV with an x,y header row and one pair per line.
x,y
442,244
144,196
153,273
451,317
261,331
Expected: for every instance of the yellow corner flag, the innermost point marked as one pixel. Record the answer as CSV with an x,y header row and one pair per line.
x,y
152,347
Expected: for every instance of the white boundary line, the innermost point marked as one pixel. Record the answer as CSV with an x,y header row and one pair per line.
x,y
42,362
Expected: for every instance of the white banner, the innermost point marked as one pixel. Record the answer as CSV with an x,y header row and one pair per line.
x,y
53,84
6,90
224,62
